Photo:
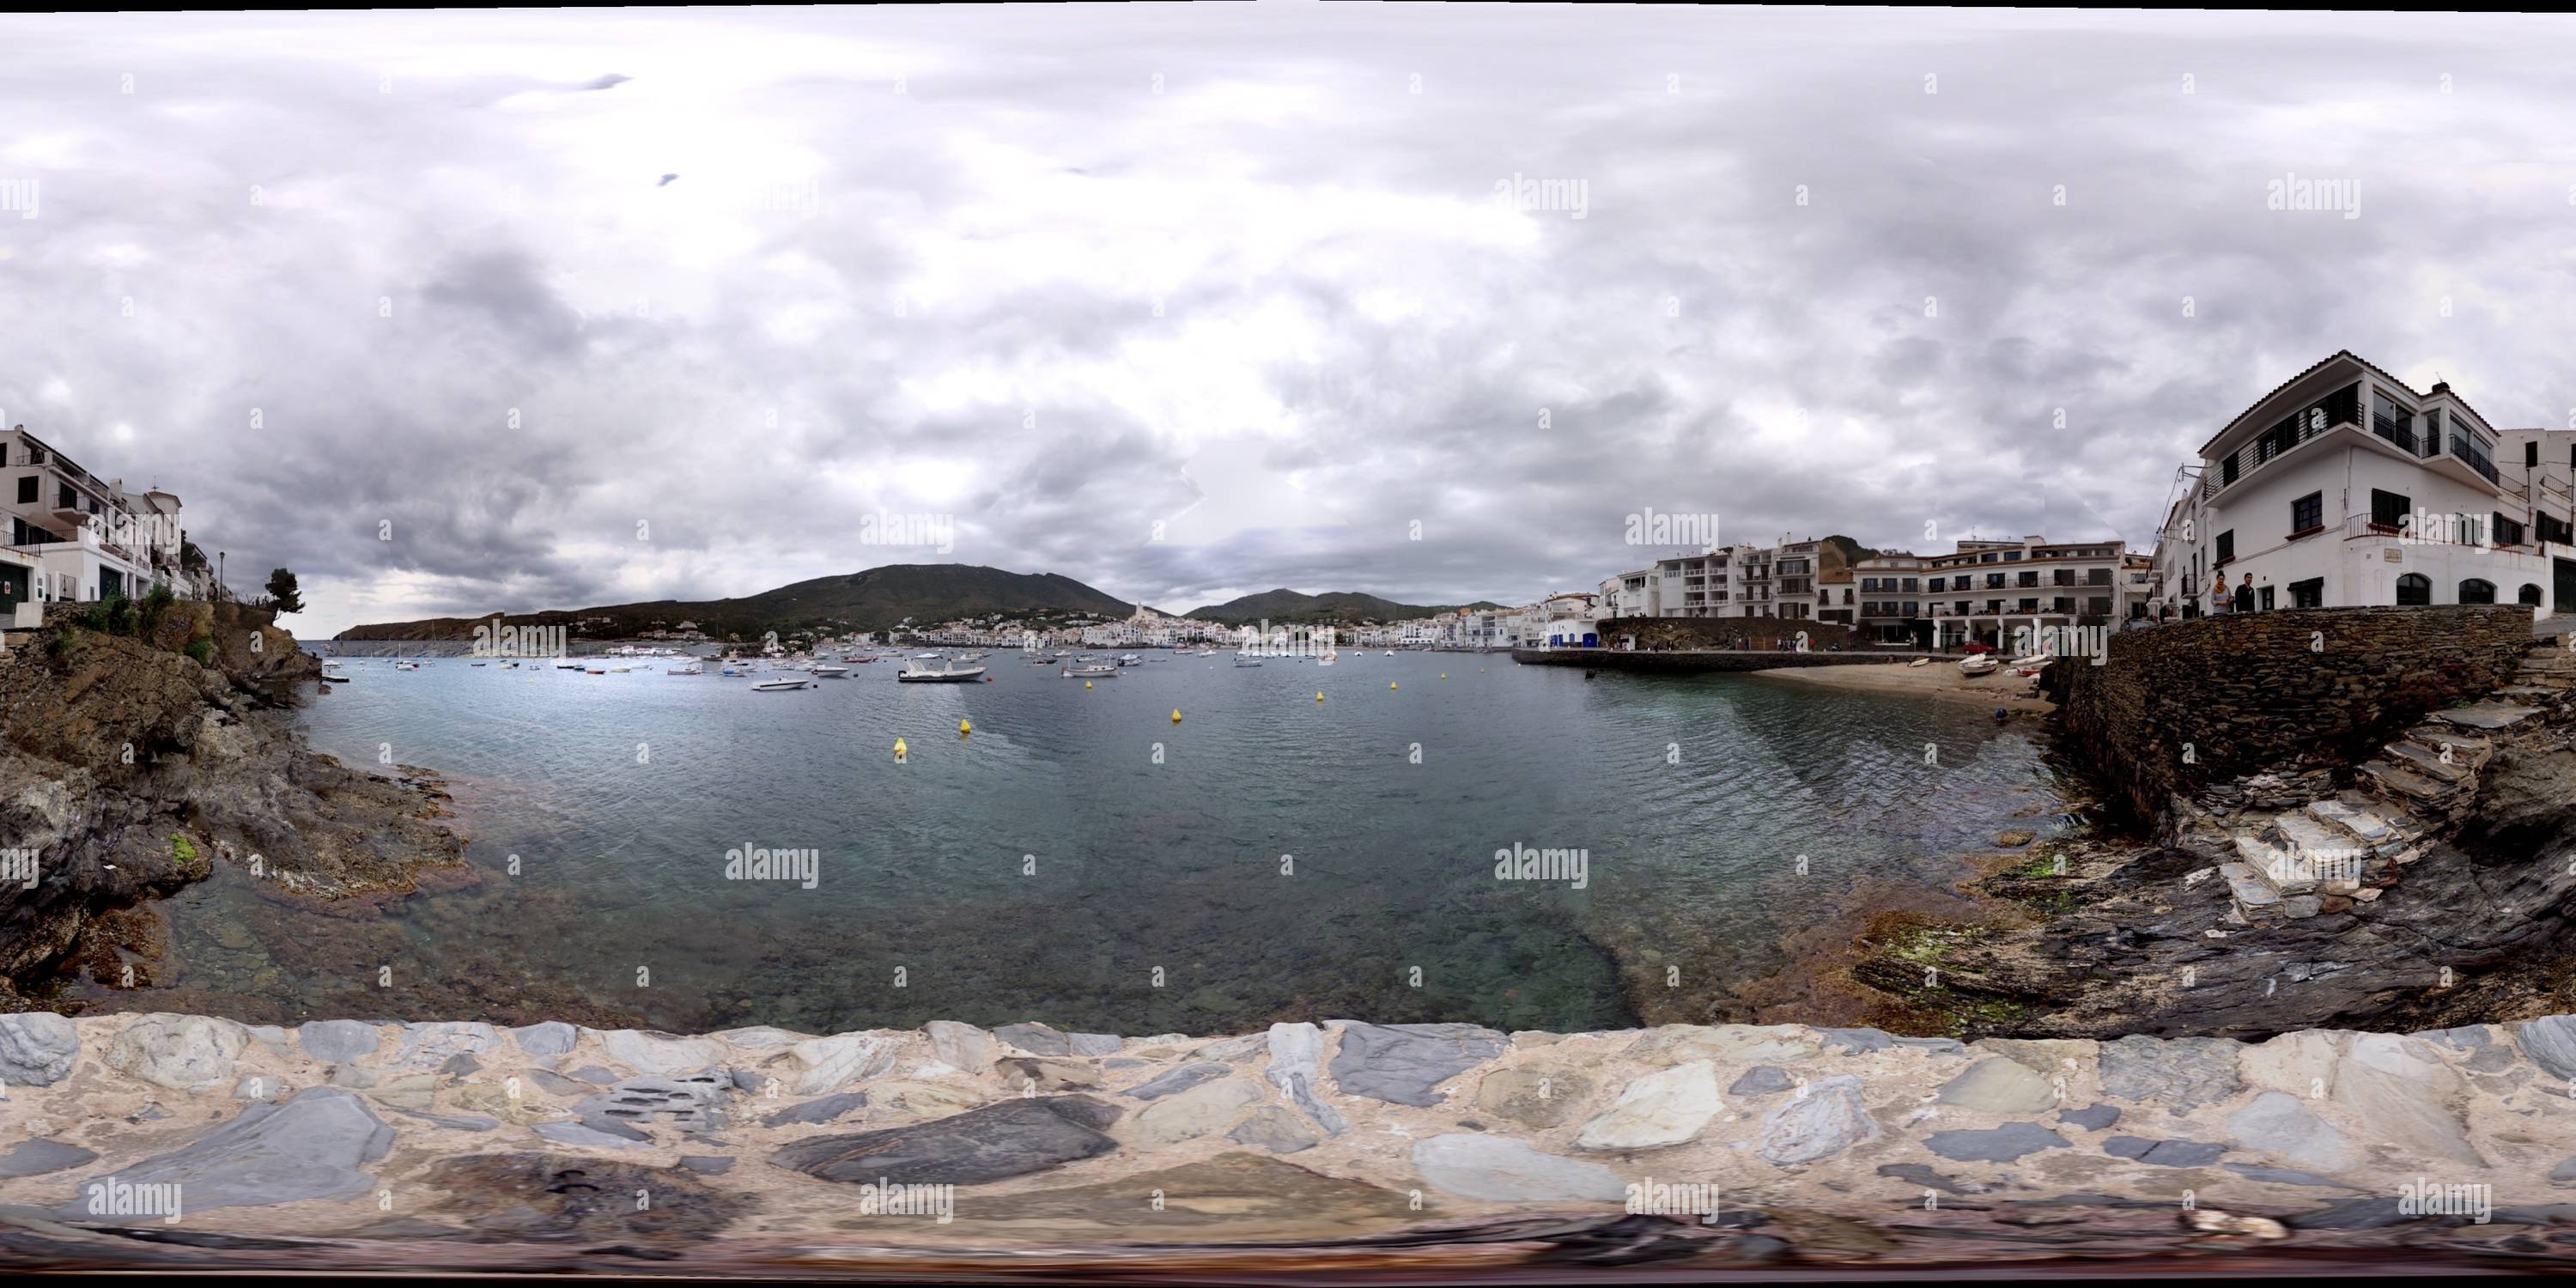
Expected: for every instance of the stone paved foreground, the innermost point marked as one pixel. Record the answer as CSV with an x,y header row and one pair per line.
x,y
165,1140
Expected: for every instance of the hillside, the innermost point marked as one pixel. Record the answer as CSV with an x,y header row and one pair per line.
x,y
868,601
1288,607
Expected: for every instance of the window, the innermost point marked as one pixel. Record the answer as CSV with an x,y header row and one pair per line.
x,y
2308,594
2102,577
2227,545
2414,590
2012,556
2263,598
2308,513
27,490
2064,577
2029,605
1994,581
2507,532
2531,455
2477,591
2530,594
64,499
2028,579
2552,528
2389,509
2392,422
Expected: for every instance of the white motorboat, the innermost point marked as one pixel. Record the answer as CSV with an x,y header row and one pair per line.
x,y
1246,661
780,685
1981,664
406,666
568,666
1087,672
925,657
827,671
1326,659
948,673
686,668
332,673
1128,659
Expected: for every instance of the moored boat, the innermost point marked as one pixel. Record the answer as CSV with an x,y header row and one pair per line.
x,y
781,685
948,673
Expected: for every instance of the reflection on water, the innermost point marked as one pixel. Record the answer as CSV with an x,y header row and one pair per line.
x,y
1083,859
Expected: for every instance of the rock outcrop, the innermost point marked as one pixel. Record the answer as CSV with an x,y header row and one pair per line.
x,y
129,771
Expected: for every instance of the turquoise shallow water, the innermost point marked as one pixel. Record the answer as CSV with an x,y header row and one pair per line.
x,y
1084,860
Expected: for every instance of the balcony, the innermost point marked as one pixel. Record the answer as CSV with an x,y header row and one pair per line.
x,y
2467,448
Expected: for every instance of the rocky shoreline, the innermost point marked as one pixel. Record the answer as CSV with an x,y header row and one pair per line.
x,y
2412,886
133,771
169,1139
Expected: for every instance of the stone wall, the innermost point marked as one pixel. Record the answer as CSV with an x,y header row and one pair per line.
x,y
352,1144
2189,703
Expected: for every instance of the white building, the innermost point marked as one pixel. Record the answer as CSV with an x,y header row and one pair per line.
x,y
2344,486
1891,598
1985,589
78,537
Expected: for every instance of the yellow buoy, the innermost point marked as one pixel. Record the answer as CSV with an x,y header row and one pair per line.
x,y
1086,684
1390,686
898,749
963,727
1444,675
1176,715
1319,695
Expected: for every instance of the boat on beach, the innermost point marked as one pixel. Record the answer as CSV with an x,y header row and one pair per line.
x,y
1981,664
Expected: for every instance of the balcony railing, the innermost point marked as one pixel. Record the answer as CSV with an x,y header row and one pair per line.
x,y
2475,453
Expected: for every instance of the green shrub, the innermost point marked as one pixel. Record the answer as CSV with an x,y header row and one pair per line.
x,y
64,644
154,604
120,615
185,855
203,651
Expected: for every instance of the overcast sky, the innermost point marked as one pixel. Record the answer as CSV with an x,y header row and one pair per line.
x,y
1068,274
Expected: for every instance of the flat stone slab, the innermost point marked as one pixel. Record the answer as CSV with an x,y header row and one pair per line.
x,y
1502,1170
2180,1072
554,1037
1667,1107
1994,1145
2090,1117
1762,1080
979,1146
1295,1051
2487,715
1036,1039
1178,1080
2163,1153
37,1156
311,1147
2551,1044
179,1052
1830,1118
36,1048
2278,1125
826,1109
2000,1085
1277,1130
1199,1111
428,1046
1401,1063
583,1134
646,1051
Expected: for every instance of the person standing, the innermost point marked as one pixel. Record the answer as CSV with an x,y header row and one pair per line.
x,y
2245,594
2218,592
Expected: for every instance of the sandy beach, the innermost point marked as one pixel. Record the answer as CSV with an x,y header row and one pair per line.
x,y
1941,679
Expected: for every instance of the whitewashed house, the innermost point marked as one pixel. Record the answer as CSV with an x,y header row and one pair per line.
x,y
2344,486
79,537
